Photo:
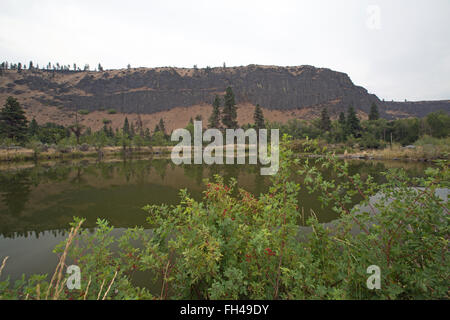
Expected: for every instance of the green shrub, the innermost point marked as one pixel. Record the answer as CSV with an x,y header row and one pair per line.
x,y
112,111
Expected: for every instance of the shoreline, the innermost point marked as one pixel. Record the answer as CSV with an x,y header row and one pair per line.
x,y
16,155
27,155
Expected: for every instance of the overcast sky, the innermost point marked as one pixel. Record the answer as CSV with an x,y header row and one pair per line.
x,y
395,49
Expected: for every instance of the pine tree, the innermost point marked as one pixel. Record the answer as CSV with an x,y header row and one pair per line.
x,y
325,122
140,126
13,123
258,116
34,127
105,129
342,129
229,111
126,127
214,119
162,126
132,131
374,114
353,124
147,136
342,120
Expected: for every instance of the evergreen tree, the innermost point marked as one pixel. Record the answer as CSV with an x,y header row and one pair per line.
x,y
105,129
374,114
147,136
13,123
353,124
229,111
132,131
325,122
110,132
162,126
214,119
342,120
258,116
126,127
140,126
34,127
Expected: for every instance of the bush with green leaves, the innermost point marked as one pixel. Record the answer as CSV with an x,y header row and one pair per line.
x,y
404,228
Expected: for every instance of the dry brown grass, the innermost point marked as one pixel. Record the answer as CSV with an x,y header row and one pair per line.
x,y
24,154
57,275
174,119
3,264
426,152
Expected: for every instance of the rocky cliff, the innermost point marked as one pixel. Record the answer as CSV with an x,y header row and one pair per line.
x,y
148,91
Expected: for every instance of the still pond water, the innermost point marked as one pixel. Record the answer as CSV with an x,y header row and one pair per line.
x,y
37,202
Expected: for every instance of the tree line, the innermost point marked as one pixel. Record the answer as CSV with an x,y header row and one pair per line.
x,y
15,129
375,132
5,65
51,66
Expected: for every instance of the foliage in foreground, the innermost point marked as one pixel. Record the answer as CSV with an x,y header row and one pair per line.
x,y
233,245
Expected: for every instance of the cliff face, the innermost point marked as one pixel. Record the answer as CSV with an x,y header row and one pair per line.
x,y
151,91
416,108
148,91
